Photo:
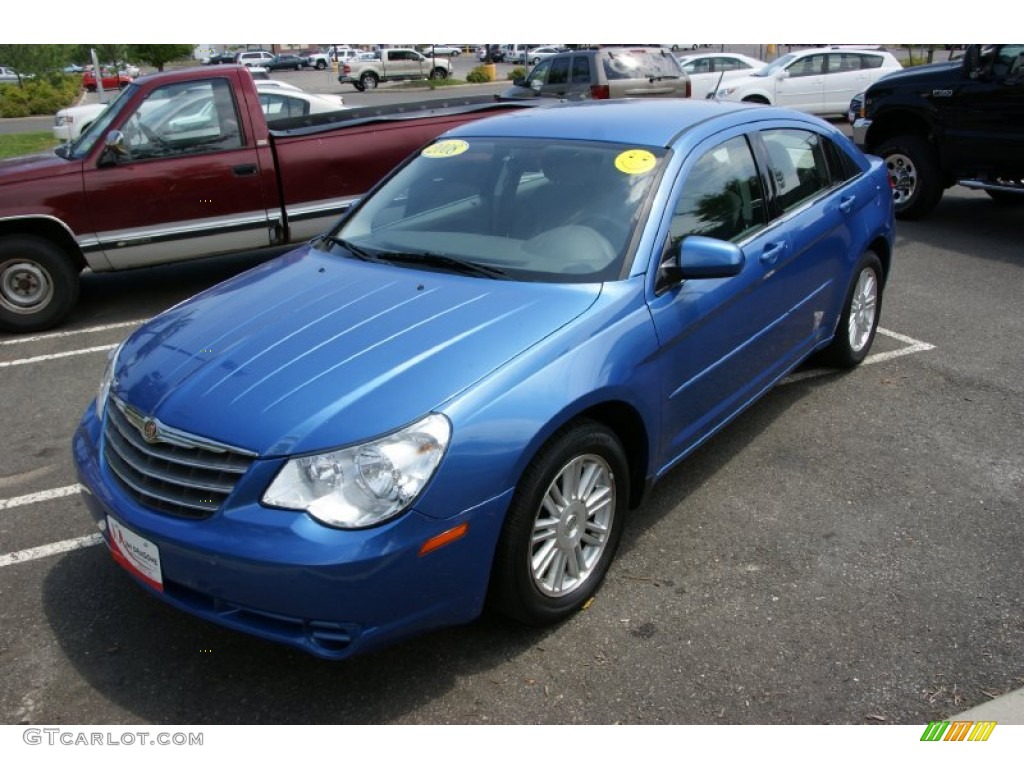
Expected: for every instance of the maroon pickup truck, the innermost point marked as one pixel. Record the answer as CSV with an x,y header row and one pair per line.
x,y
189,164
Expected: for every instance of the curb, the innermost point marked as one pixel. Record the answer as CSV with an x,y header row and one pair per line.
x,y
1007,709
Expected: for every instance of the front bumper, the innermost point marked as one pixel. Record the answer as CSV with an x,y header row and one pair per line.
x,y
282,576
860,132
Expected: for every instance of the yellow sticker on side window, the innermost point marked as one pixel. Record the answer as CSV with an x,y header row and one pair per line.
x,y
446,148
634,161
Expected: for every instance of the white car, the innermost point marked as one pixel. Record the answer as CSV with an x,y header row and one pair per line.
x,y
441,50
817,80
709,70
255,58
536,55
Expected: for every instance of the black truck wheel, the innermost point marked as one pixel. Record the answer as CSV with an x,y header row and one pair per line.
x,y
38,283
914,174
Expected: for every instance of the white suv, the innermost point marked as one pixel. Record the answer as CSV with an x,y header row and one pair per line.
x,y
818,80
255,58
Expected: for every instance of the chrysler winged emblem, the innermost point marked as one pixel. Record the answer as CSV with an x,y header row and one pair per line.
x,y
150,431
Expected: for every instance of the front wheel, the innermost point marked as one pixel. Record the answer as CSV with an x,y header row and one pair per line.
x,y
859,319
563,526
913,175
438,74
38,284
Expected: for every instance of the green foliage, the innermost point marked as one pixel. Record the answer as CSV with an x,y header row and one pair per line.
x,y
17,144
36,59
39,95
516,72
478,75
158,55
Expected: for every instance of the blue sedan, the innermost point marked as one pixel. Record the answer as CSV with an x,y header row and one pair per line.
x,y
456,397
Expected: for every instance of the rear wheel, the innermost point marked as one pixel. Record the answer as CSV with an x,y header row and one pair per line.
x,y
859,320
913,175
321,64
368,80
38,283
563,526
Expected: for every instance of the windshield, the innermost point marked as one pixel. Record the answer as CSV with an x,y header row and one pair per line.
x,y
524,209
775,66
627,64
83,145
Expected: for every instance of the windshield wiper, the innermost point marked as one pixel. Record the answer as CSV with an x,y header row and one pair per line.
x,y
451,263
349,246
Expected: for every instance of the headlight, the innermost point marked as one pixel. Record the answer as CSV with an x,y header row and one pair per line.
x,y
722,92
365,484
108,378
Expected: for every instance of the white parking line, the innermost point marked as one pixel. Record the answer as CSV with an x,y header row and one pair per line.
x,y
56,356
27,555
913,346
65,334
32,498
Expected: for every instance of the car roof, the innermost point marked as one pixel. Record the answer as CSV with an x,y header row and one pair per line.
x,y
647,122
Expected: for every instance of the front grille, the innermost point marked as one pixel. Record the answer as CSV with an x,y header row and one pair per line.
x,y
173,472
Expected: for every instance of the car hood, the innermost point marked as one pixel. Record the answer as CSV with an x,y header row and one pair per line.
x,y
923,74
313,350
41,165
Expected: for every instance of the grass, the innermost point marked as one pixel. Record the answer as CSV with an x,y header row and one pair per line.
x,y
15,144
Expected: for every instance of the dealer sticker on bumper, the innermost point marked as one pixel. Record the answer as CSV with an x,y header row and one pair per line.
x,y
139,556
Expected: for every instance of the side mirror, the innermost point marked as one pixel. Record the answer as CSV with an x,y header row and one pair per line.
x,y
972,62
707,257
114,148
781,74
699,258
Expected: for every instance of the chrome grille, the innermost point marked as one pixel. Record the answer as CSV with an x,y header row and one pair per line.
x,y
172,472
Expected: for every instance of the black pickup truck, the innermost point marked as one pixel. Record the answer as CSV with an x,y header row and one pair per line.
x,y
955,122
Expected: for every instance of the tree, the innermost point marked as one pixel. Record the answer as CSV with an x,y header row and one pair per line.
x,y
158,55
36,59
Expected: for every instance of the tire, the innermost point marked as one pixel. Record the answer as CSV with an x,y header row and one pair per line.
x,y
913,175
321,64
368,80
38,283
556,543
859,319
438,73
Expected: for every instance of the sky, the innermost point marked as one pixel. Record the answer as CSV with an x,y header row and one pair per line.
x,y
733,21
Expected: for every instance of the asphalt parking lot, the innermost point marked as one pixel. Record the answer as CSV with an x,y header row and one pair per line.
x,y
847,551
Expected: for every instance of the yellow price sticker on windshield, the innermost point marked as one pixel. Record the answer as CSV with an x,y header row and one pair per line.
x,y
446,148
634,161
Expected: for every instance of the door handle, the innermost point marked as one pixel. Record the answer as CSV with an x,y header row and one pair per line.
x,y
846,203
249,169
771,253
